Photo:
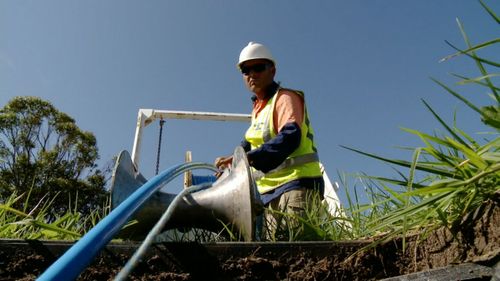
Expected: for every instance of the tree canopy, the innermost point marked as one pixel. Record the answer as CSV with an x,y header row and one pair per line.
x,y
43,153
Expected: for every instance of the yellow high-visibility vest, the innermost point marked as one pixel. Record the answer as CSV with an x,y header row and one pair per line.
x,y
302,163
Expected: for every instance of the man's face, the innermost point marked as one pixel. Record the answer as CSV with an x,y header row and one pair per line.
x,y
258,74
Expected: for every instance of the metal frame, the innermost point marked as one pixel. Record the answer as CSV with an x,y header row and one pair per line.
x,y
147,116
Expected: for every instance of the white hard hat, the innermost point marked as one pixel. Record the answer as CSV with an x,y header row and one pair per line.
x,y
255,51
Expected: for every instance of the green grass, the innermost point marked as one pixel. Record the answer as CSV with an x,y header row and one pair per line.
x,y
34,223
460,171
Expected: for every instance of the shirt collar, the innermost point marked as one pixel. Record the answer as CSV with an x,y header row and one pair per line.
x,y
270,91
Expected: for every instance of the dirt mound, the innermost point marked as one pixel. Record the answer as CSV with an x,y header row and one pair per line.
x,y
476,240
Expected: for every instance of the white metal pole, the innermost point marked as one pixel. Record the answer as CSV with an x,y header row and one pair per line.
x,y
146,116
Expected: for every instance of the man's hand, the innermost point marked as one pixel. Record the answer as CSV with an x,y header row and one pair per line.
x,y
223,163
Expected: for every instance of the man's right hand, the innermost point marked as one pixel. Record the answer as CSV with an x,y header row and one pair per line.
x,y
223,163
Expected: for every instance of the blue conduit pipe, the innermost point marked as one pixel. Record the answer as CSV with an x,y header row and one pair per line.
x,y
135,259
79,256
197,180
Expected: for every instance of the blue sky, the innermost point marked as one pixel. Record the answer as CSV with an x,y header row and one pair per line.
x,y
363,65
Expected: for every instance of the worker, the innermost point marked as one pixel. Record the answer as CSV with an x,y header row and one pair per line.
x,y
279,142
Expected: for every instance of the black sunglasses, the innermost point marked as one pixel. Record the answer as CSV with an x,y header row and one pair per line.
x,y
257,68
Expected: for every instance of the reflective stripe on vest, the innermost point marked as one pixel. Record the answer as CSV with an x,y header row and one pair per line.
x,y
288,163
302,163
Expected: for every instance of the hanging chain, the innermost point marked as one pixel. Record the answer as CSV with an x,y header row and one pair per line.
x,y
159,147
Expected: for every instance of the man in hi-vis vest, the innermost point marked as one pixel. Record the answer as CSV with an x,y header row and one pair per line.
x,y
279,142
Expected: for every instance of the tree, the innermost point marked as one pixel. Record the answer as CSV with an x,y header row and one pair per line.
x,y
43,153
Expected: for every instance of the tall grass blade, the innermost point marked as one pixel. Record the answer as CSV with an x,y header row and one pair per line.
x,y
475,159
431,150
475,57
392,219
464,100
477,79
473,143
478,62
405,163
494,144
426,137
395,182
12,210
471,50
476,82
54,228
492,14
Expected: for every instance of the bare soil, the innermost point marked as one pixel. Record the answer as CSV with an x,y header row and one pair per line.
x,y
476,240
